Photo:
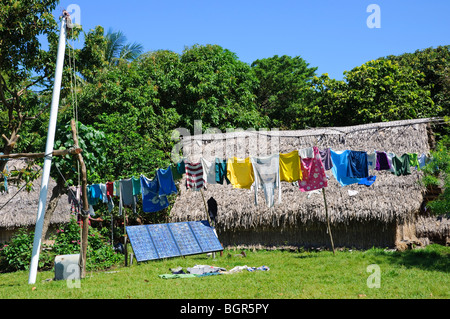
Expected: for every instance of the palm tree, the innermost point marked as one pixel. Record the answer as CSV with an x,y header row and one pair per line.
x,y
118,50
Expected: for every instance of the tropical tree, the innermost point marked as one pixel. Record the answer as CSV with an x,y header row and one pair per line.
x,y
119,50
283,83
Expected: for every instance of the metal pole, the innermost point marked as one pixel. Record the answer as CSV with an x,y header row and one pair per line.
x,y
48,158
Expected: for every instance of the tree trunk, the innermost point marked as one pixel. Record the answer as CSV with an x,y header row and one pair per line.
x,y
57,192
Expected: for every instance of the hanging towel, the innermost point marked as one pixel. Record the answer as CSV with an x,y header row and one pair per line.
x,y
166,183
221,171
371,160
326,158
401,165
94,194
136,185
315,172
151,200
110,189
290,167
194,176
422,160
103,190
357,165
240,172
117,188
266,171
178,169
307,152
382,162
367,180
209,171
339,169
390,157
126,195
413,160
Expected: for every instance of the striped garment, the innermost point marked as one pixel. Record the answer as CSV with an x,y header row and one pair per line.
x,y
194,176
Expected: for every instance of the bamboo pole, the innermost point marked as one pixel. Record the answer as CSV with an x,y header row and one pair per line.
x,y
328,219
85,210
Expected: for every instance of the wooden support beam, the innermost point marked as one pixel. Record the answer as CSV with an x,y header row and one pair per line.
x,y
71,151
85,209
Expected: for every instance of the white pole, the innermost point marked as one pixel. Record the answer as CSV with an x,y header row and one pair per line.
x,y
48,152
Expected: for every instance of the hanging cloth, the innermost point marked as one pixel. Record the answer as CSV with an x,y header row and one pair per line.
x,y
401,165
290,167
178,169
339,169
357,165
194,176
371,160
240,172
315,172
382,161
151,200
165,182
209,171
266,171
126,195
221,171
325,155
94,194
413,160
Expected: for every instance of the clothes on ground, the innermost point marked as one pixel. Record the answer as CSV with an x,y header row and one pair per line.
x,y
151,200
267,175
357,165
240,172
194,176
174,276
290,167
203,269
314,171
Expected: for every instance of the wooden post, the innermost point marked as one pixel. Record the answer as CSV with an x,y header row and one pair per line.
x,y
85,209
328,219
125,250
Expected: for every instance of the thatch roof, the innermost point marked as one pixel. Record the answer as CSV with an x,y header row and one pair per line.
x,y
22,207
391,198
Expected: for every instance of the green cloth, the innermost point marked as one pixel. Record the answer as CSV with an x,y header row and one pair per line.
x,y
173,276
178,170
413,160
116,188
136,185
401,165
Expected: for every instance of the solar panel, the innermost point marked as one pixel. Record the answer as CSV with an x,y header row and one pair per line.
x,y
157,241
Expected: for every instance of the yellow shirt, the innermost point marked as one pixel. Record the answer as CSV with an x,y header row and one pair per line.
x,y
240,172
290,167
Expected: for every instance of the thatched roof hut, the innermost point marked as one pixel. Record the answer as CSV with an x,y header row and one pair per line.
x,y
19,208
382,214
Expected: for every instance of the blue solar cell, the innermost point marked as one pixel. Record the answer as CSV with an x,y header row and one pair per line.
x,y
186,241
141,242
163,240
205,235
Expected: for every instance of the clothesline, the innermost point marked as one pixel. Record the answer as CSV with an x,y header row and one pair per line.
x,y
305,167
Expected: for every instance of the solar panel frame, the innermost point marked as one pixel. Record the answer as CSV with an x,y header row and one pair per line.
x,y
156,241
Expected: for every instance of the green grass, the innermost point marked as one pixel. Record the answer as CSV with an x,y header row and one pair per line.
x,y
420,273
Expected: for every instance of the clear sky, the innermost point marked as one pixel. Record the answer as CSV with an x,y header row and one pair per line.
x,y
332,35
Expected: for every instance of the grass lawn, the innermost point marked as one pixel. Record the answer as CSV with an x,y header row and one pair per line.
x,y
415,274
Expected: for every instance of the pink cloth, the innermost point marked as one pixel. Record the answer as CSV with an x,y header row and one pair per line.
x,y
313,173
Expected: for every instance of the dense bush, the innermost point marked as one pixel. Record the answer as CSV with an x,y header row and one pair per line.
x,y
16,254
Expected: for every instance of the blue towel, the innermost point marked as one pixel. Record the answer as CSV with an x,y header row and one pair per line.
x,y
367,180
151,201
357,165
94,194
339,169
165,181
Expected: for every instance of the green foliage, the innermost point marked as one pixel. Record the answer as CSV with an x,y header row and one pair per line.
x,y
16,254
437,174
283,83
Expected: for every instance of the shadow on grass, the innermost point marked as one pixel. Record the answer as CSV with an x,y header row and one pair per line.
x,y
426,259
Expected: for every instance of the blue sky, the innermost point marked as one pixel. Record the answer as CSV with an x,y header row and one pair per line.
x,y
332,35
